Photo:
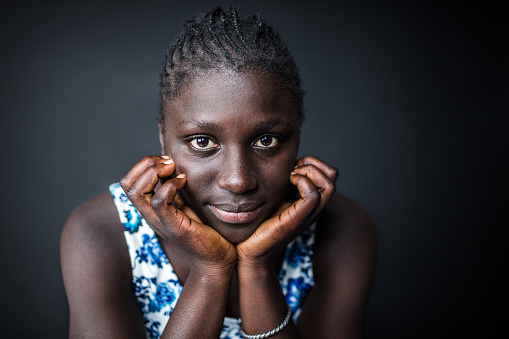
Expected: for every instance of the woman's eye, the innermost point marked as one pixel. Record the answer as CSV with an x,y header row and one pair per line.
x,y
203,143
267,141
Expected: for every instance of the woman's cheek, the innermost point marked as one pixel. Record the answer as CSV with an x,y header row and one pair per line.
x,y
278,181
199,178
281,175
186,164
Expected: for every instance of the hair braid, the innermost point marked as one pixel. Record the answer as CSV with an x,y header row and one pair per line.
x,y
211,28
187,46
224,27
224,40
235,17
201,42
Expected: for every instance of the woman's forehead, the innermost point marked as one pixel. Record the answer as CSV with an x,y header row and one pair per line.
x,y
229,94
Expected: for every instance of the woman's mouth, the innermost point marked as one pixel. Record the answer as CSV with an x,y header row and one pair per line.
x,y
235,214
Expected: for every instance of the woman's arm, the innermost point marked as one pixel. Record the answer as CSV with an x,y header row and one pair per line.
x,y
97,269
343,265
97,274
201,307
262,303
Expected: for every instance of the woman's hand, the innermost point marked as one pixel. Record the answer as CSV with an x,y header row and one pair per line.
x,y
206,250
315,181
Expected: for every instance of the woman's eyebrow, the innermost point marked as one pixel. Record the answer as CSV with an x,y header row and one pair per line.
x,y
267,125
205,125
211,126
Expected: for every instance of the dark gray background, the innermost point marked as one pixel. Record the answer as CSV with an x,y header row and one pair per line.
x,y
408,101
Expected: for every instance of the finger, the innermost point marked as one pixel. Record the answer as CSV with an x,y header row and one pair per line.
x,y
142,189
322,182
189,212
162,204
289,222
330,171
295,217
178,202
141,166
310,204
309,198
283,206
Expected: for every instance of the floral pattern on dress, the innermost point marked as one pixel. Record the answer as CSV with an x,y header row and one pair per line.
x,y
156,285
151,252
152,328
296,275
297,292
166,294
231,328
133,221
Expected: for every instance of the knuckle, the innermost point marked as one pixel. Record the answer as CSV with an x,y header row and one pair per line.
x,y
163,197
334,173
333,187
123,182
147,158
306,168
151,170
314,195
329,189
131,192
157,202
171,190
148,161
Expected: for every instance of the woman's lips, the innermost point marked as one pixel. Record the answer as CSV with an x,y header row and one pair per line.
x,y
235,217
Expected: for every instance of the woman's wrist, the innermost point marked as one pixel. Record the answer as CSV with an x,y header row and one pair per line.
x,y
255,271
212,274
203,301
263,306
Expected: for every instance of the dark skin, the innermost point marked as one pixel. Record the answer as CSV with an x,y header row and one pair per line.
x,y
218,201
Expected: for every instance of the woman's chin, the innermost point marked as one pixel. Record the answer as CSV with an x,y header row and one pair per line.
x,y
235,234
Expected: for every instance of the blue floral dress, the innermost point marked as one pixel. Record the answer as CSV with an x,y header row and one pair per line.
x,y
157,287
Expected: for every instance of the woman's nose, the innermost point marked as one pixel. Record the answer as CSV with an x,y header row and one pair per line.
x,y
237,174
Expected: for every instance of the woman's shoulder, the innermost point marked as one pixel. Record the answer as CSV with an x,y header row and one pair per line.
x,y
93,230
346,237
344,259
344,263
346,222
95,217
96,271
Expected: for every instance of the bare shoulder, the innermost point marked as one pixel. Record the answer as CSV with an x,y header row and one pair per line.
x,y
343,266
92,243
96,269
346,238
346,223
92,225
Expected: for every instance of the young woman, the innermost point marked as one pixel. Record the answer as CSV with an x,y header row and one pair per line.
x,y
226,234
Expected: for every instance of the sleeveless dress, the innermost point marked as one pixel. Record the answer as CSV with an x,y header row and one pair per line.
x,y
156,285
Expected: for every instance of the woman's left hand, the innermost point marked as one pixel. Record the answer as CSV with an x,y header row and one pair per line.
x,y
315,181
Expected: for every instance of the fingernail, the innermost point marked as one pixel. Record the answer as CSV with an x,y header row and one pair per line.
x,y
181,175
168,162
293,173
165,156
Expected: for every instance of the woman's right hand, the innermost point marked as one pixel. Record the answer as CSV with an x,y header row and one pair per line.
x,y
207,251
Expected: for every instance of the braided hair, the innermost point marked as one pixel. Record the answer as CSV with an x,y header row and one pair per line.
x,y
219,40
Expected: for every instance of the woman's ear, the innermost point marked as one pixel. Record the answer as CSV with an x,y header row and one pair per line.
x,y
161,138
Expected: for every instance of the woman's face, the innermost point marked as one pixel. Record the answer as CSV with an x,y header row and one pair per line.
x,y
236,137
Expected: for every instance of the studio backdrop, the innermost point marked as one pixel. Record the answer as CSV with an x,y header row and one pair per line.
x,y
408,101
